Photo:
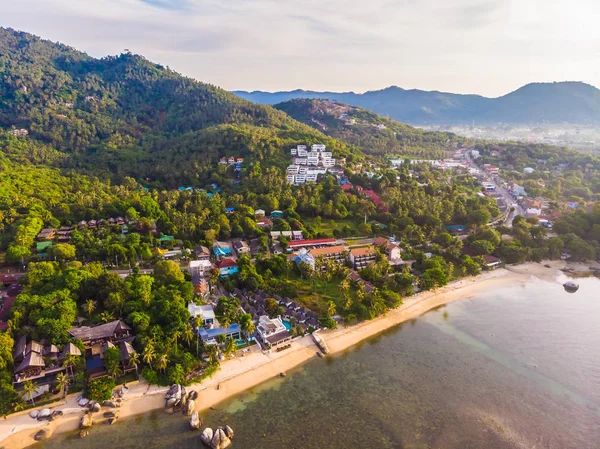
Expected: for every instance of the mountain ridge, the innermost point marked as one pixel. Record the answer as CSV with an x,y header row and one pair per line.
x,y
558,102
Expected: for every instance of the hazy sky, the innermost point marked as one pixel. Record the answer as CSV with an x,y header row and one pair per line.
x,y
470,46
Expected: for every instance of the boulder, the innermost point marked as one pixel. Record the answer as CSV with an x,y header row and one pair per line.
x,y
43,434
121,391
170,403
56,413
189,407
44,413
86,421
193,395
95,407
220,440
195,421
111,421
84,433
174,392
34,414
207,436
114,414
83,402
109,404
229,432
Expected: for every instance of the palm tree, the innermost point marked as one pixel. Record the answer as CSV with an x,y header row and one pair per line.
x,y
106,316
149,354
188,333
176,335
213,358
163,361
331,309
62,382
89,307
134,359
29,388
198,322
247,325
229,347
69,361
115,371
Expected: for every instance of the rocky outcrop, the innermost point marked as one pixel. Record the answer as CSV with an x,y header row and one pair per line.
x,y
189,407
43,434
174,392
111,421
229,432
83,402
44,413
34,414
114,414
86,421
207,436
171,402
220,439
195,421
109,404
56,413
193,395
95,407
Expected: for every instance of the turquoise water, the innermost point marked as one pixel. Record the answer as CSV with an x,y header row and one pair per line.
x,y
287,325
517,367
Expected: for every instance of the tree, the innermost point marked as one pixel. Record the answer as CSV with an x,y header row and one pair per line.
x,y
89,306
331,309
70,361
167,272
62,252
188,333
30,389
106,316
482,247
62,382
246,324
149,354
134,359
112,361
229,347
6,345
162,362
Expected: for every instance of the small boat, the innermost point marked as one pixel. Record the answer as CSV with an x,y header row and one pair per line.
x,y
571,286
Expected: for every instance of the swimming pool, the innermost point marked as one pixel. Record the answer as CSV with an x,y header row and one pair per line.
x,y
287,325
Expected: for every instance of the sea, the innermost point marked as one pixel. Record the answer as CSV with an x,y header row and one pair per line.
x,y
515,367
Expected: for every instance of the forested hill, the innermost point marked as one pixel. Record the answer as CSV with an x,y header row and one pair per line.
x,y
123,115
373,133
565,102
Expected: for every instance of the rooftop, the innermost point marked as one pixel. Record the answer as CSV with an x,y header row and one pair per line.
x,y
98,332
328,250
364,251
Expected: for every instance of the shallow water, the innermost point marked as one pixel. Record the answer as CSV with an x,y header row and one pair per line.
x,y
517,367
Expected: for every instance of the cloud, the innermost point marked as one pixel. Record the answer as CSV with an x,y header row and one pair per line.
x,y
482,46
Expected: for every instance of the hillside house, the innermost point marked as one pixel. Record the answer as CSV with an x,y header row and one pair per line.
x,y
226,267
362,257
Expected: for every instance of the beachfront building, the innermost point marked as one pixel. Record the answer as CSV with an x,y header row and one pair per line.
x,y
362,257
204,311
337,253
209,336
390,249
272,331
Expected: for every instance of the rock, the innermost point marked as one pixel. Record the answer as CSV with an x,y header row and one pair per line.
x,y
174,392
184,391
111,421
170,403
229,432
84,433
121,391
193,395
220,440
109,404
189,407
86,421
207,436
114,414
195,421
282,374
44,414
34,414
83,402
43,434
95,407
56,413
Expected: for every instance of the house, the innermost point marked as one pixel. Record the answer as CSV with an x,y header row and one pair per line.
x,y
533,212
528,170
164,239
221,249
229,210
297,235
202,253
491,262
240,247
276,249
255,248
41,247
223,161
277,214
263,223
390,249
362,257
200,268
46,234
205,312
272,332
305,257
226,267
209,336
297,244
259,213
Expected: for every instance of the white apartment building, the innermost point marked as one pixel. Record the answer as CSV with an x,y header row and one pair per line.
x,y
301,147
300,161
317,147
294,151
302,153
291,179
293,170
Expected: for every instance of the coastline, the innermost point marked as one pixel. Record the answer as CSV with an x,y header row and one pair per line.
x,y
243,373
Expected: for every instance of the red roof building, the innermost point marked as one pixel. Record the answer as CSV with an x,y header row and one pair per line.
x,y
226,262
313,242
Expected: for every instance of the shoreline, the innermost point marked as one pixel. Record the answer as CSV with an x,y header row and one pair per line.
x,y
245,372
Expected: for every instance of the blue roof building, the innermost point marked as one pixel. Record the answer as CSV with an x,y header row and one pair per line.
x,y
210,335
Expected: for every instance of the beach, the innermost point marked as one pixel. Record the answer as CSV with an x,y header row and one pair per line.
x,y
255,367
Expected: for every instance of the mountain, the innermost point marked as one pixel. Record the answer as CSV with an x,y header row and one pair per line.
x,y
565,102
372,133
126,116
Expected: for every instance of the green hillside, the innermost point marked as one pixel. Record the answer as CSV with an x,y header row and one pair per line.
x,y
124,115
372,133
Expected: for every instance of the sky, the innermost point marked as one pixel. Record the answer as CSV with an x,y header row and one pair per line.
x,y
488,47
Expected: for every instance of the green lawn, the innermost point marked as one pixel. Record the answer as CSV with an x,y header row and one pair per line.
x,y
327,227
316,297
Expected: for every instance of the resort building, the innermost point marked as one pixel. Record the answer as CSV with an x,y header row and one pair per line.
x,y
226,267
240,247
305,257
202,253
311,243
362,257
390,249
272,332
205,311
209,336
336,253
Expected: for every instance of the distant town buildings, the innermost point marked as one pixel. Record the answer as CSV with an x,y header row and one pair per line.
x,y
308,165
